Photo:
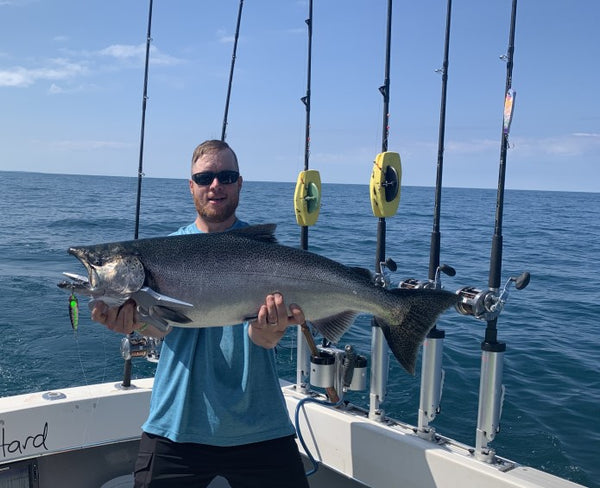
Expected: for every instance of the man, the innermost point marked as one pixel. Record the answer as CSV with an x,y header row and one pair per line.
x,y
216,408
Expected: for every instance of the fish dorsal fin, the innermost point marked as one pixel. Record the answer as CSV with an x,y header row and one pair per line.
x,y
262,232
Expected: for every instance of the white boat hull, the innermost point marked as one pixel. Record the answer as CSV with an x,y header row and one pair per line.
x,y
88,436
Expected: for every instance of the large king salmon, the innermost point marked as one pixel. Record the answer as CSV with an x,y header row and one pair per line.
x,y
218,279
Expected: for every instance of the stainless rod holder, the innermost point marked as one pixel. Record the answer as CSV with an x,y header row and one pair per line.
x,y
432,382
491,398
380,360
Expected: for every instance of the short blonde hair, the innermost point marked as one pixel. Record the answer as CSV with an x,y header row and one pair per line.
x,y
213,146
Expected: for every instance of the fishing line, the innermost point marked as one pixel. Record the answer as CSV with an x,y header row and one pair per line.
x,y
102,379
233,57
85,379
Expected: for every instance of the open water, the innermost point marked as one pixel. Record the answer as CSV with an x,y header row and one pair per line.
x,y
551,417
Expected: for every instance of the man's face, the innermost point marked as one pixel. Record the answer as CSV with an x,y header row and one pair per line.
x,y
216,202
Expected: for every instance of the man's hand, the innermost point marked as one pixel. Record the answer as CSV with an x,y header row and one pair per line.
x,y
272,321
123,319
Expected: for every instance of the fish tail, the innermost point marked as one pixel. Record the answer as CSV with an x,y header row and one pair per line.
x,y
414,314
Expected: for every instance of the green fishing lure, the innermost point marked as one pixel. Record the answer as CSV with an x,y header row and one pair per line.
x,y
74,311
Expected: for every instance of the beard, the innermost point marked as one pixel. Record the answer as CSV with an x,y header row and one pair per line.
x,y
216,215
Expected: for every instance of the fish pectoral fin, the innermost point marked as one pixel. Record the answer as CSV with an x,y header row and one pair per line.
x,y
169,314
334,326
147,298
160,310
157,322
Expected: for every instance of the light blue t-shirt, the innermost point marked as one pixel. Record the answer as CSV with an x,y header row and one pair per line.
x,y
215,386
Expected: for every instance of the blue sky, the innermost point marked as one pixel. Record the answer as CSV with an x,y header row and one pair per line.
x,y
71,79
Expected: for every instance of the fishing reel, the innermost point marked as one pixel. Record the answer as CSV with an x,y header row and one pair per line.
x,y
435,284
487,304
140,347
386,268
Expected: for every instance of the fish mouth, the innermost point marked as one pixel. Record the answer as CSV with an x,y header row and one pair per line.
x,y
80,283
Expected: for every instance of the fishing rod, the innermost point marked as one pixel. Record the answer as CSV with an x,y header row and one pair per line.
x,y
307,204
307,195
384,189
127,367
487,305
432,374
306,100
143,125
434,250
233,56
491,393
147,347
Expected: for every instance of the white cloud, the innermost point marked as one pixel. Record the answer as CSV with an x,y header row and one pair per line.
x,y
55,89
75,64
122,51
128,52
575,144
18,76
223,38
57,69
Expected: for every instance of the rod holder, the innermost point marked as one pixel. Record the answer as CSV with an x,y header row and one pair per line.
x,y
302,361
491,399
380,360
432,382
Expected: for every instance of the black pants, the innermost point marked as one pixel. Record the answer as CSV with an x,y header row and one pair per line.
x,y
162,463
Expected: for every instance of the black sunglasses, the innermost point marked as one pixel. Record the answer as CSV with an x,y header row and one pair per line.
x,y
226,177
